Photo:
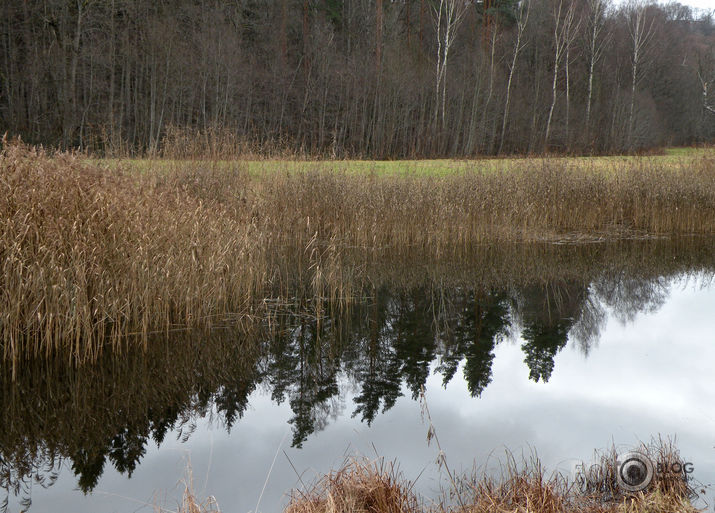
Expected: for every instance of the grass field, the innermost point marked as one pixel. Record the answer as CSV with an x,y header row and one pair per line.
x,y
435,167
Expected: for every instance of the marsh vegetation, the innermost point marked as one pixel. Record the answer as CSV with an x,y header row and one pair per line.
x,y
96,256
522,486
137,299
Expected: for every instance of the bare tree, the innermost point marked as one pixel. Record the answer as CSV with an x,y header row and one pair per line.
x,y
705,84
137,77
447,16
641,32
522,19
567,65
493,31
378,36
283,34
565,28
596,44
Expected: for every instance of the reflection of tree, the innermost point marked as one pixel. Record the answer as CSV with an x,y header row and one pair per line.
x,y
548,314
231,399
492,322
483,320
414,341
107,412
628,295
376,367
22,467
88,465
542,344
303,368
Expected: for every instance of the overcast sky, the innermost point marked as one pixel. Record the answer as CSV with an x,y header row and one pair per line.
x,y
699,4
702,4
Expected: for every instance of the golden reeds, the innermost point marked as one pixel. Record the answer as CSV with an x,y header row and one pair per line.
x,y
92,255
366,486
376,486
547,200
360,486
95,255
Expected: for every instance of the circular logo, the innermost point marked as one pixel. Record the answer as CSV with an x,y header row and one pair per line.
x,y
634,471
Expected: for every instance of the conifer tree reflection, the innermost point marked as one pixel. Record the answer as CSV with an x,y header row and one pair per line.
x,y
303,369
549,312
108,412
543,341
378,370
483,320
414,337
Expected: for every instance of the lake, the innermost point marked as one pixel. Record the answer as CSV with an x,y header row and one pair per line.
x,y
552,349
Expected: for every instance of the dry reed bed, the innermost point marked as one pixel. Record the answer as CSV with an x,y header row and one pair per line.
x,y
547,200
90,255
365,486
375,486
93,255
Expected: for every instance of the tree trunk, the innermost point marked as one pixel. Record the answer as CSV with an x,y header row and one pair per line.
x,y
522,20
378,37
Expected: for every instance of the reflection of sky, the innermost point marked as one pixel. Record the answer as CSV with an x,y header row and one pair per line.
x,y
652,376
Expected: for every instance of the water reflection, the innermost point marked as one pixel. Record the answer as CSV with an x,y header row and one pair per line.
x,y
401,323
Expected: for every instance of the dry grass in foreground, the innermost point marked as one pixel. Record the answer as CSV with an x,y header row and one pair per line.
x,y
374,486
364,486
94,256
189,502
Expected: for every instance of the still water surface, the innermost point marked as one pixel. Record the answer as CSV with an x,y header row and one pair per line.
x,y
557,366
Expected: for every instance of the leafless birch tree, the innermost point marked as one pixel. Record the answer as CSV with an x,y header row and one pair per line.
x,y
519,43
597,41
565,29
447,16
641,32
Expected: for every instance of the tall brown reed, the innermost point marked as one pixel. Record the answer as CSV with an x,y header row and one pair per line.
x,y
94,255
361,485
546,200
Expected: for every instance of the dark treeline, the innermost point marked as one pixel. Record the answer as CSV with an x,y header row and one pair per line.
x,y
397,78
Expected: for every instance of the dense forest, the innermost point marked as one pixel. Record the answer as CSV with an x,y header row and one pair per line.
x,y
356,78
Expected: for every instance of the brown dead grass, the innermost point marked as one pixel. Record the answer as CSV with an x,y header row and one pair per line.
x,y
376,486
94,256
90,255
360,486
364,486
